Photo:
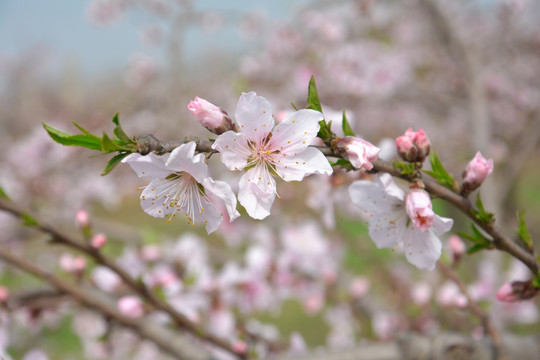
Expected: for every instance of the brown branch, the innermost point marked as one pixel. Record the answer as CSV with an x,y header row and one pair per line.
x,y
59,238
477,311
175,345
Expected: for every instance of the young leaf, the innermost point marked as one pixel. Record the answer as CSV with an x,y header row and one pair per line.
x,y
343,164
87,141
113,162
347,130
485,217
107,145
119,132
523,231
479,240
439,173
84,131
28,220
407,169
313,101
325,131
3,194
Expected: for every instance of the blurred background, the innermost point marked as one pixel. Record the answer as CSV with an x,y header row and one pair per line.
x,y
467,72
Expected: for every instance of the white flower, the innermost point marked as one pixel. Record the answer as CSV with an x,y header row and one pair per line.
x,y
383,203
180,185
263,150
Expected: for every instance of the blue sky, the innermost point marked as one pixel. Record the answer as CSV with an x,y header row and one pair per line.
x,y
60,26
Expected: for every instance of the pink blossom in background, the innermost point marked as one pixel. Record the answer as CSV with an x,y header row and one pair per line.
x,y
142,69
131,306
98,240
104,13
72,264
82,219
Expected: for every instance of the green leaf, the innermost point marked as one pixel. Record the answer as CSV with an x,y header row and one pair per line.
x,y
325,131
439,173
313,101
406,168
347,130
119,132
3,194
113,162
88,141
342,164
523,230
479,240
485,217
108,145
28,220
476,248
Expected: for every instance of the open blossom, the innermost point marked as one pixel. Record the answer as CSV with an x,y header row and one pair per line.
x,y
476,172
180,185
359,152
210,116
262,149
391,222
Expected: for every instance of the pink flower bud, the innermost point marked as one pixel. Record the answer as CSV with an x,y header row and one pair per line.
x,y
210,116
98,240
4,294
240,347
131,306
72,264
517,291
359,287
419,208
413,146
457,247
82,219
359,152
476,172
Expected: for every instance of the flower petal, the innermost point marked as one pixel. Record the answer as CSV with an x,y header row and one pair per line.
x,y
296,132
209,215
390,187
372,198
257,192
309,161
441,224
151,202
422,249
183,159
150,165
234,149
254,116
222,190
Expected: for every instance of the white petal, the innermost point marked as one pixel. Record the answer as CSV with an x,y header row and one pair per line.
x,y
257,195
254,116
422,248
223,191
371,198
387,229
308,162
183,159
296,132
150,165
209,215
234,149
151,203
390,187
441,224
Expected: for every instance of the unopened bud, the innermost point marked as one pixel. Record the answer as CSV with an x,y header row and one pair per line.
x,y
457,248
210,116
72,264
419,208
517,291
82,220
240,347
359,287
360,153
4,294
131,306
98,240
476,172
413,146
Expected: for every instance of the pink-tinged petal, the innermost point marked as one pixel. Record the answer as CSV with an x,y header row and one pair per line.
x,y
254,116
441,224
422,249
222,190
296,132
183,159
150,165
257,195
234,149
310,161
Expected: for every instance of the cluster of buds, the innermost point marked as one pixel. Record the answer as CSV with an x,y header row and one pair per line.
x,y
476,172
517,291
210,116
414,146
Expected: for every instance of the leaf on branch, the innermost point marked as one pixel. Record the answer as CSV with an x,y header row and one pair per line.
x,y
523,230
88,141
3,194
480,241
120,134
406,168
440,174
313,101
347,130
342,164
485,217
113,162
28,220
